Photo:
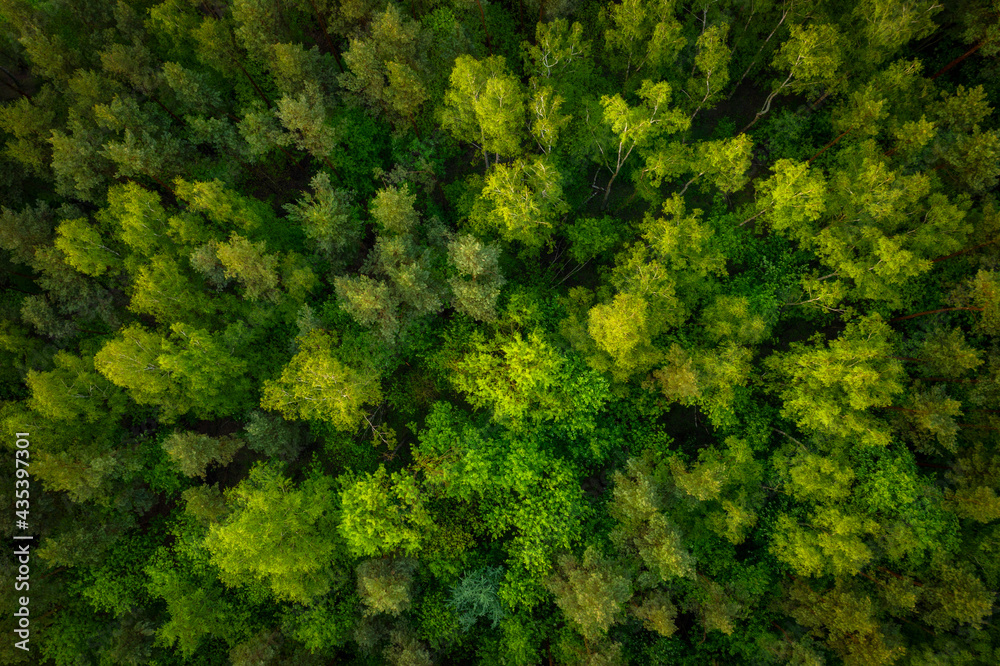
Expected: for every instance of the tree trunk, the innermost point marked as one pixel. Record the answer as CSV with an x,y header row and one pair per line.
x,y
482,16
607,190
759,51
829,145
332,168
927,312
166,110
965,251
953,381
13,85
959,59
326,35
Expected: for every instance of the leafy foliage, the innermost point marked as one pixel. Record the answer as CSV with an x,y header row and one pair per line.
x,y
549,331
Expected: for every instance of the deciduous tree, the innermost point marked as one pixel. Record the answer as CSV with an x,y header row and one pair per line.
x,y
319,386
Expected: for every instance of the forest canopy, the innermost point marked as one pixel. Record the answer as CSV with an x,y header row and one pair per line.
x,y
502,332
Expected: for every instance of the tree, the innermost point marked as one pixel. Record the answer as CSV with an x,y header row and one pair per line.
x,y
590,592
956,596
26,124
262,132
406,650
263,648
677,247
197,607
946,353
642,529
138,218
370,302
274,437
278,533
527,200
812,56
250,264
383,513
73,391
731,318
484,105
623,329
646,34
635,127
716,609
304,116
190,371
886,27
164,289
547,122
657,613
386,585
225,208
975,476
317,385
846,619
830,543
296,68
882,225
146,146
476,286
193,452
929,419
707,377
524,378
328,216
725,162
712,64
475,596
25,231
557,48
977,293
409,270
205,503
392,210
84,248
793,198
828,389
385,68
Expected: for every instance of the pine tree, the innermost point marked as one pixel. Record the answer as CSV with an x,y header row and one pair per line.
x,y
385,585
393,211
590,592
386,69
193,452
845,619
476,288
328,216
250,264
642,528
